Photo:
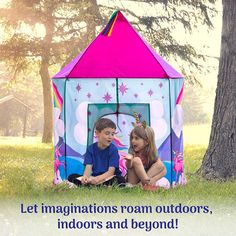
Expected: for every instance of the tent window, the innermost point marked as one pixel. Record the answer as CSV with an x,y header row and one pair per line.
x,y
119,113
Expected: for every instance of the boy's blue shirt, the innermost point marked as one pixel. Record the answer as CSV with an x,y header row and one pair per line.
x,y
102,159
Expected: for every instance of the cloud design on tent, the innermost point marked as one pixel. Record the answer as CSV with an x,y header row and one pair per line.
x,y
81,126
177,120
59,128
157,121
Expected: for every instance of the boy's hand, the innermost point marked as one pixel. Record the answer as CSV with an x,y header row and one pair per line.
x,y
93,180
84,180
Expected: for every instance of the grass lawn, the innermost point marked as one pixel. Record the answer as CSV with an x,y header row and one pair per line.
x,y
26,172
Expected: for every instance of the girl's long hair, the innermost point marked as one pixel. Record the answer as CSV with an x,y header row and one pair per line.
x,y
148,135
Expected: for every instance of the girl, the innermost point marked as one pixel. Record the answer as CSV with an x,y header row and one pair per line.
x,y
143,164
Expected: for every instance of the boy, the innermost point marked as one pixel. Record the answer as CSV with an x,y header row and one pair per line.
x,y
101,159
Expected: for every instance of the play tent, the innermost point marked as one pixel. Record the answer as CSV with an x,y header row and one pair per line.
x,y
116,75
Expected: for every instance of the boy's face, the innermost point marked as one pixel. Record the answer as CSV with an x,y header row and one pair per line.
x,y
105,137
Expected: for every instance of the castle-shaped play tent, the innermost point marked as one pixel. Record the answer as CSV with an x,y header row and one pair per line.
x,y
117,75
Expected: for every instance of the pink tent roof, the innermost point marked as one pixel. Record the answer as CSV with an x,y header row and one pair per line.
x,y
118,52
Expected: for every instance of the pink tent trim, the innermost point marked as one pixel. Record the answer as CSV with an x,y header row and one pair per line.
x,y
121,54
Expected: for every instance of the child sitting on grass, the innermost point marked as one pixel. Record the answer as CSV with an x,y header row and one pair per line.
x,y
142,163
101,159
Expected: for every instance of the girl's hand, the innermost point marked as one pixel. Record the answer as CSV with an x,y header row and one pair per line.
x,y
152,182
129,161
129,157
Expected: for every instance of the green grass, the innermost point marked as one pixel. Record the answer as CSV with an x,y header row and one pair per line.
x,y
26,172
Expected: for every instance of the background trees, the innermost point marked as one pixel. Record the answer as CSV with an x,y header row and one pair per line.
x,y
44,35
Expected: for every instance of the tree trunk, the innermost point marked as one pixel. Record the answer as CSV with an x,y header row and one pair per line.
x,y
45,77
7,130
91,18
47,101
219,161
25,122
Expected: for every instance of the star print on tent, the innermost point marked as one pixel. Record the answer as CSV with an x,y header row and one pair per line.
x,y
123,89
107,97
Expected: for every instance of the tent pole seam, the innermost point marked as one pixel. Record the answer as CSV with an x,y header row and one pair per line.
x,y
117,104
65,126
170,135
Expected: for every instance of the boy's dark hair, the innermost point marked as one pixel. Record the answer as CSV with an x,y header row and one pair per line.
x,y
104,123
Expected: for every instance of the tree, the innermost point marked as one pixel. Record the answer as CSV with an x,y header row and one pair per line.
x,y
193,105
70,25
220,158
62,24
13,112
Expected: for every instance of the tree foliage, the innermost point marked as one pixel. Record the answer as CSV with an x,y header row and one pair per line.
x,y
26,89
193,106
68,26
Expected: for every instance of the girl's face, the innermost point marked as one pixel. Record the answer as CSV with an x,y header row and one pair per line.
x,y
138,144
